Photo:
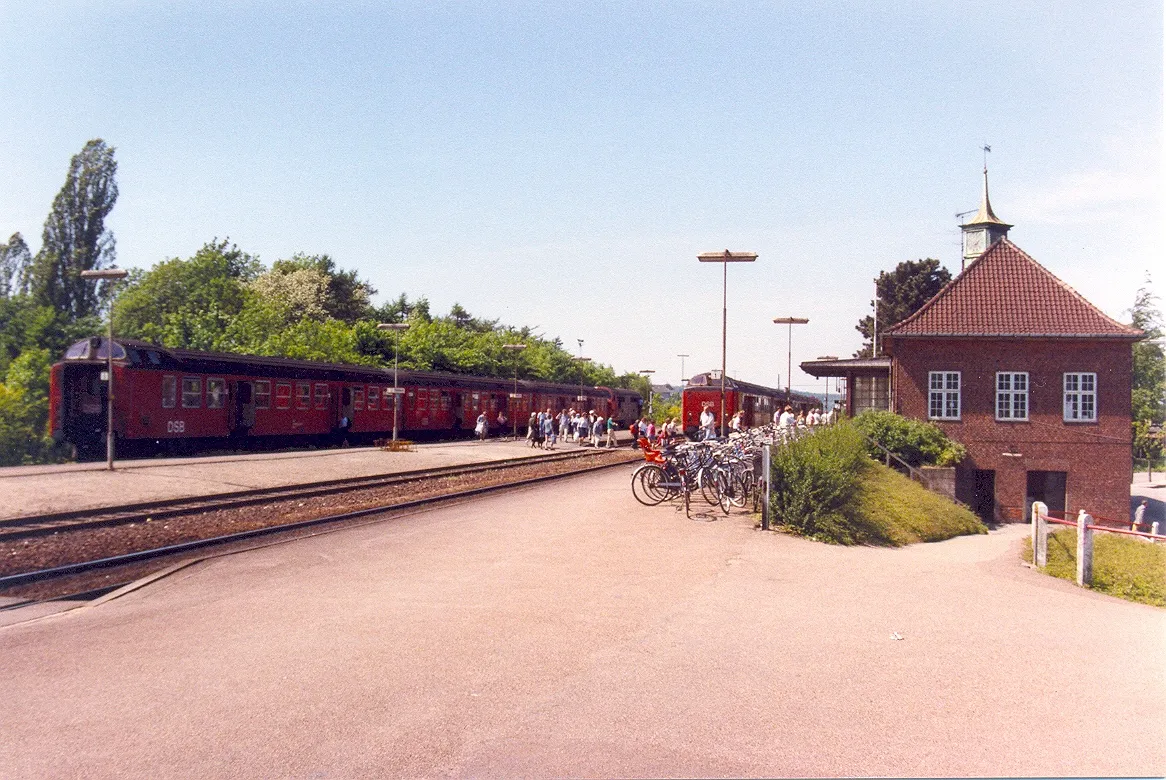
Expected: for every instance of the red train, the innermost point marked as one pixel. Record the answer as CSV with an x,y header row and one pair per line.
x,y
758,402
180,400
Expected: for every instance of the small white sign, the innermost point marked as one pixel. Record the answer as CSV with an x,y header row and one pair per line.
x,y
104,376
580,398
395,390
516,395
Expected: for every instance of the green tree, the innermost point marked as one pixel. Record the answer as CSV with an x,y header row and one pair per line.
x,y
75,238
189,304
901,293
346,296
24,409
1149,381
15,261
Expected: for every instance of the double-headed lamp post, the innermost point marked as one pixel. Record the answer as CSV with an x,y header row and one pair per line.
x,y
516,349
396,327
108,274
791,321
647,372
581,360
725,258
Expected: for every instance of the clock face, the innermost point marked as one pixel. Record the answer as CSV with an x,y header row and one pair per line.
x,y
973,242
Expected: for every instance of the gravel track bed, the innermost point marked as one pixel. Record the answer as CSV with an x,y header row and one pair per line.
x,y
67,547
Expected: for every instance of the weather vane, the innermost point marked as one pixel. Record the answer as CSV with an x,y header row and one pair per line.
x,y
986,149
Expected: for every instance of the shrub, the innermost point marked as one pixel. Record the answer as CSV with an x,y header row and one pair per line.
x,y
918,443
814,481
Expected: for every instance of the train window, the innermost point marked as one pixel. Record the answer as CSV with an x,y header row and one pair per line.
x,y
422,400
445,402
303,395
263,394
153,357
78,351
282,395
358,398
321,395
169,391
374,397
216,391
191,392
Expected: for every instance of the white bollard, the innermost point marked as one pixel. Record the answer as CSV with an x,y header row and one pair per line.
x,y
1040,535
1154,528
1084,549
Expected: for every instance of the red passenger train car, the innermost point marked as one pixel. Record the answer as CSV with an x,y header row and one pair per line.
x,y
758,402
178,400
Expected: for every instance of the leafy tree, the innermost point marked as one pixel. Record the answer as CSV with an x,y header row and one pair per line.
x,y
901,293
1149,382
24,409
15,260
189,304
346,295
75,238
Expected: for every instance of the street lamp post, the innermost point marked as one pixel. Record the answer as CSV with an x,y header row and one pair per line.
x,y
581,360
516,349
647,372
724,258
683,378
109,274
791,321
396,327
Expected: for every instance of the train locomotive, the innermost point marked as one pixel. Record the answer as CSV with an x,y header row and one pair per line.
x,y
758,402
184,401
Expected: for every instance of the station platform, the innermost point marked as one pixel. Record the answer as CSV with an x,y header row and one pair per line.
x,y
34,490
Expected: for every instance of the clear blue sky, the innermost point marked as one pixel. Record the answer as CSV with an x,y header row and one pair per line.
x,y
562,164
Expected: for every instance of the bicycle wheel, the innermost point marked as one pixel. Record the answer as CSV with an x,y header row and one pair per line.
x,y
738,491
709,485
646,484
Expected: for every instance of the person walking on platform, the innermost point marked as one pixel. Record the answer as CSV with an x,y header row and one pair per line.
x,y
549,431
708,423
481,427
611,432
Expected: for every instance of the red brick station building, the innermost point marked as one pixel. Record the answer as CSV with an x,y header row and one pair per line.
x,y
1019,368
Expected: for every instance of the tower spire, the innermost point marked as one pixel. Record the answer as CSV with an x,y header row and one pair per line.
x,y
985,228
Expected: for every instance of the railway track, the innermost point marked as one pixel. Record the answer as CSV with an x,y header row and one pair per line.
x,y
90,576
57,522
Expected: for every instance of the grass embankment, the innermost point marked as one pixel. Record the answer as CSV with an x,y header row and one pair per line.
x,y
825,487
1122,566
895,510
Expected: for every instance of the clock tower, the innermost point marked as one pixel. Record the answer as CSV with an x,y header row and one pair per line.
x,y
984,230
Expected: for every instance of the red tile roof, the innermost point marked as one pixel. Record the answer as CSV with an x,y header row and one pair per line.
x,y
1004,292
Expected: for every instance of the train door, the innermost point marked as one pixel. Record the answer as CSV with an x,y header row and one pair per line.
x,y
748,405
244,416
344,413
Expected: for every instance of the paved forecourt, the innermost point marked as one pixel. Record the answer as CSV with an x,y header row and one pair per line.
x,y
28,490
565,630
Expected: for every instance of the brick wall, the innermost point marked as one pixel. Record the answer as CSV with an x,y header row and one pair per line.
x,y
1095,455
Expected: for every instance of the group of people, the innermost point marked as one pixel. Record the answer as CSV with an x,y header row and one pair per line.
x,y
544,429
786,419
646,428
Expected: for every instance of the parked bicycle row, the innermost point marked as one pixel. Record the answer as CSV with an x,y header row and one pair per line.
x,y
722,473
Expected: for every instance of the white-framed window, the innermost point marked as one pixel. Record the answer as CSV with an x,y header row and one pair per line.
x,y
321,395
1081,397
191,392
943,395
303,395
1011,395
